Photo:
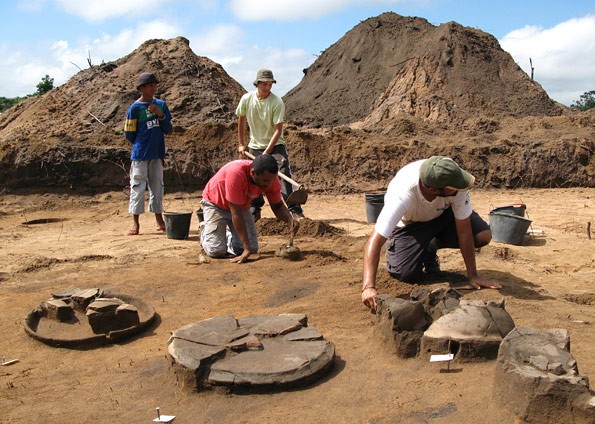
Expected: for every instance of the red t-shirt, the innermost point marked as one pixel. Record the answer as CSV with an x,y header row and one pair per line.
x,y
232,184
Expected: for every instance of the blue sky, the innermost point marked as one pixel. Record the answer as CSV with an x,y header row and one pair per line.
x,y
40,37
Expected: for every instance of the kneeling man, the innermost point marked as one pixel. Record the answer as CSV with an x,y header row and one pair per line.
x,y
226,203
426,207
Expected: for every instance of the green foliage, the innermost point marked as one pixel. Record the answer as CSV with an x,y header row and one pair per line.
x,y
587,101
6,103
46,84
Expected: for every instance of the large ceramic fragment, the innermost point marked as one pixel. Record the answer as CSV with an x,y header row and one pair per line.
x,y
262,351
537,378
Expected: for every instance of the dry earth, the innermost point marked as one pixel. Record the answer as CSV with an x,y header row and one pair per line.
x,y
80,240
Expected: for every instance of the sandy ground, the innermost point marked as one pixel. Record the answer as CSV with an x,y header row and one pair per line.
x,y
81,240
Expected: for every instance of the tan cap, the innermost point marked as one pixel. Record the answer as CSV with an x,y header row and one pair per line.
x,y
264,75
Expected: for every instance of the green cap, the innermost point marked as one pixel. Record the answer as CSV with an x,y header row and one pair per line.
x,y
443,172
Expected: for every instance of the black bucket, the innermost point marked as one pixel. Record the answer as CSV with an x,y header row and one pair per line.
x,y
508,228
374,204
200,215
517,209
177,224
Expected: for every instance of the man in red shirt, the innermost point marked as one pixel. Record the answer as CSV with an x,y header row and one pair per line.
x,y
226,203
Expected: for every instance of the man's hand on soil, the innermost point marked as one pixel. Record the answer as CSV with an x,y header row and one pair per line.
x,y
242,258
368,297
478,283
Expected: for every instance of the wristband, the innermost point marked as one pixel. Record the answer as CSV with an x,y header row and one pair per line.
x,y
368,287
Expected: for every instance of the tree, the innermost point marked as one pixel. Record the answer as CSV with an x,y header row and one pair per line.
x,y
45,85
587,101
7,103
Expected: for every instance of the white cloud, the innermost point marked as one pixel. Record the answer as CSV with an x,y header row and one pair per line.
x,y
100,10
22,71
293,10
563,56
217,40
224,45
287,66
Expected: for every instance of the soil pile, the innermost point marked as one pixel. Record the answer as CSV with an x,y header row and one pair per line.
x,y
308,228
392,66
195,88
392,90
72,135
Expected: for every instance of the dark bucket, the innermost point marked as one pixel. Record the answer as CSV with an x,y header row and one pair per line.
x,y
200,215
177,224
508,228
518,209
374,205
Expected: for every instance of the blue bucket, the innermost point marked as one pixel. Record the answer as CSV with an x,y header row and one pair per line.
x,y
508,228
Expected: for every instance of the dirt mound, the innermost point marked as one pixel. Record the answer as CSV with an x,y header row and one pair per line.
x,y
395,67
392,90
73,134
195,88
308,228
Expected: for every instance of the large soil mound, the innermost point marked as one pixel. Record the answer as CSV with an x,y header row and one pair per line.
x,y
390,66
71,136
195,88
392,90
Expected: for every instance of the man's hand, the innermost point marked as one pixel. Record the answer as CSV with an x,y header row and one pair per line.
x,y
478,283
242,258
368,297
155,110
241,150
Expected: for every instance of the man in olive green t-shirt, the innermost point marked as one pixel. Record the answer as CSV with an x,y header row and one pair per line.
x,y
265,113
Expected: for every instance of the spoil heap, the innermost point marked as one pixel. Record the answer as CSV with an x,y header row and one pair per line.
x,y
392,66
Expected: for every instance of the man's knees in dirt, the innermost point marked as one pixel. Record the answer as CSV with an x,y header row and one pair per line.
x,y
483,238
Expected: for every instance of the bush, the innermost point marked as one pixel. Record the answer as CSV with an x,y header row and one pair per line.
x,y
46,84
587,101
6,103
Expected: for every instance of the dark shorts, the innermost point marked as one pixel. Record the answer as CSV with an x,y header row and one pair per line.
x,y
407,246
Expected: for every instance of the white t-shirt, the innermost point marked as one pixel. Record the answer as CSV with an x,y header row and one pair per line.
x,y
404,203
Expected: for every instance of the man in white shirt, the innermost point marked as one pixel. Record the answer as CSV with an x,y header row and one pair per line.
x,y
426,207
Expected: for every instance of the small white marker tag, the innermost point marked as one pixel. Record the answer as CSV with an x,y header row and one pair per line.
x,y
442,358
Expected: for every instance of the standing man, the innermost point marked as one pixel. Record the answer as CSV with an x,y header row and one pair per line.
x,y
265,113
426,207
226,203
147,121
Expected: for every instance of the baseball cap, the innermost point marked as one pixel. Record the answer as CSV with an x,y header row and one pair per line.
x,y
146,78
264,75
443,172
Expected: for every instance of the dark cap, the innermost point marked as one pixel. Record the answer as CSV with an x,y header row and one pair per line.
x,y
146,78
264,75
443,172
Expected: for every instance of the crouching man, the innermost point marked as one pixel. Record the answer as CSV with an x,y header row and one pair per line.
x,y
426,207
226,204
